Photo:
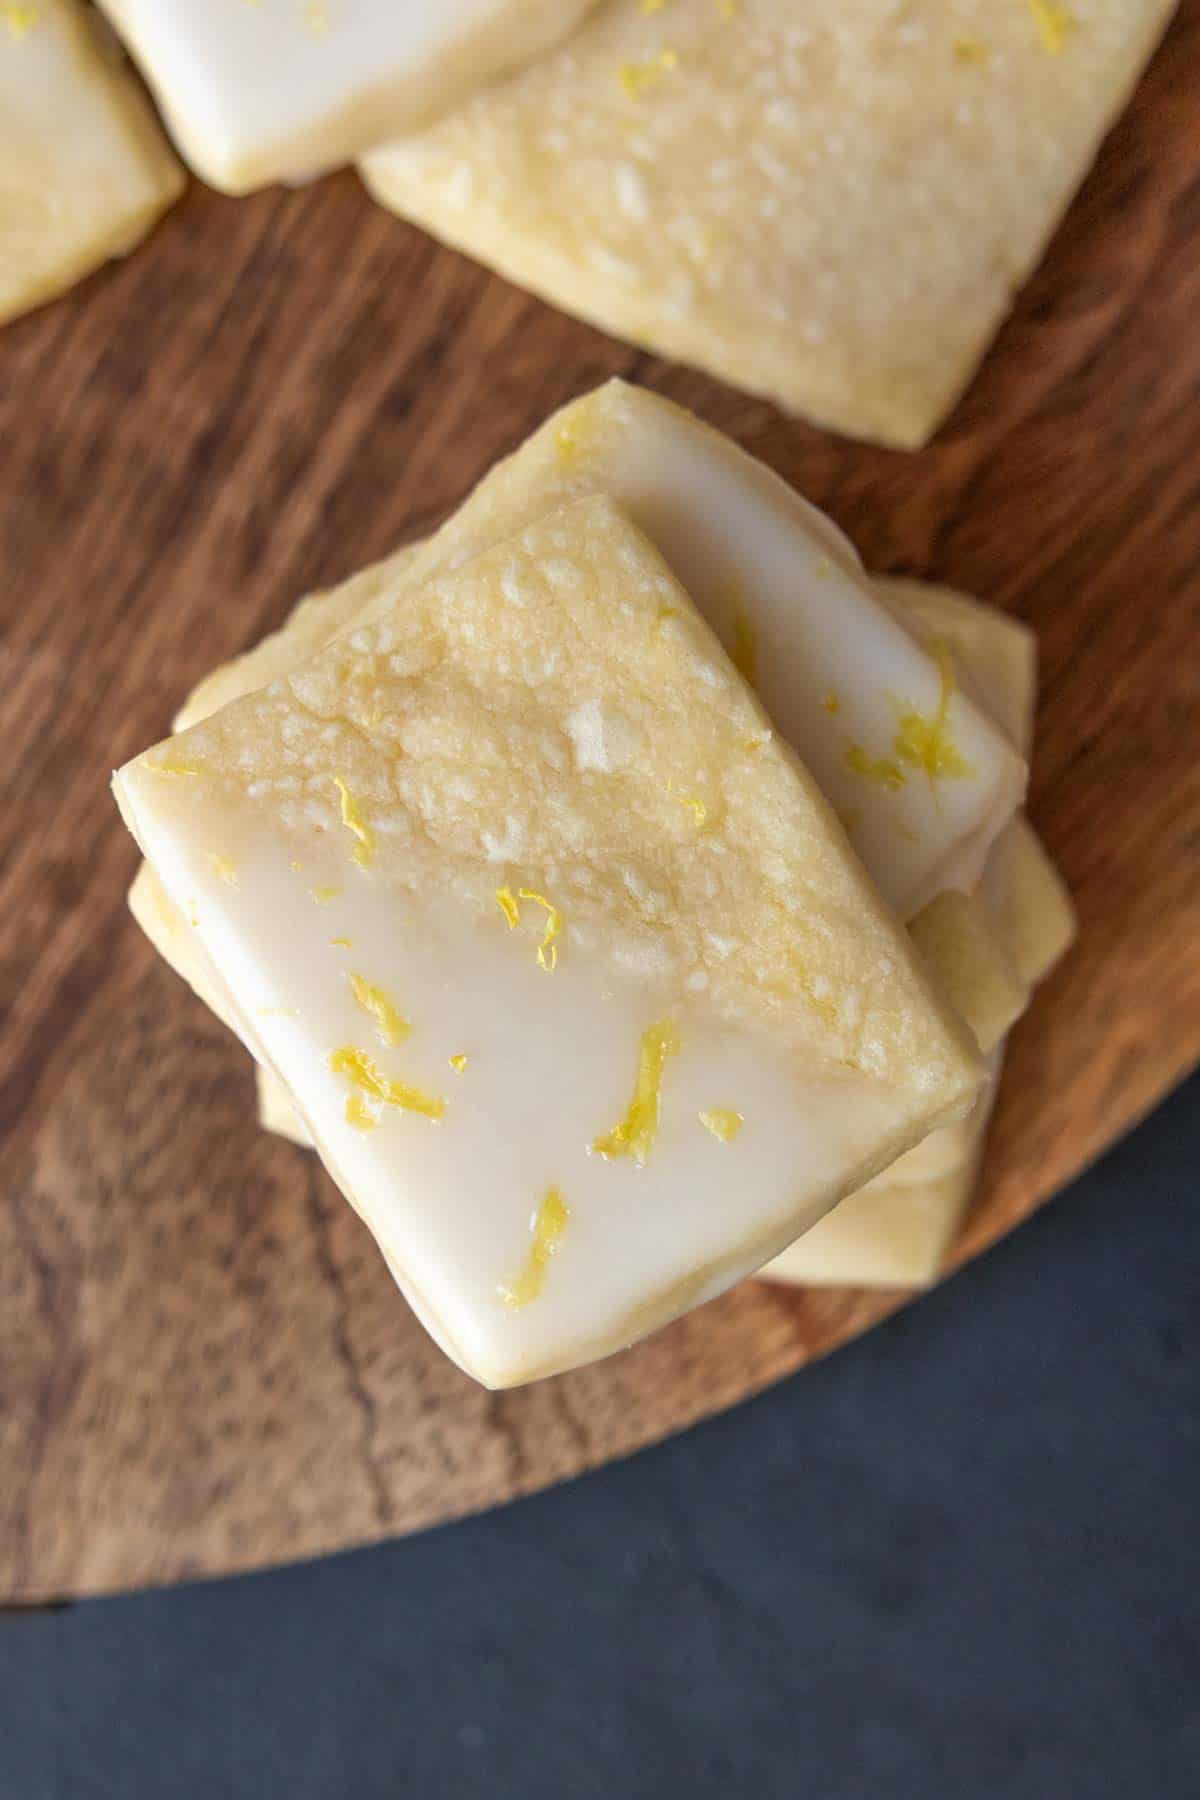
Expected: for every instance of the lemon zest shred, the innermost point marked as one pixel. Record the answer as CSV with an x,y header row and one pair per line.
x,y
693,802
459,1061
723,1122
874,768
342,943
926,742
548,948
323,895
635,1134
506,900
359,1113
553,1217
354,822
172,765
392,1027
357,1066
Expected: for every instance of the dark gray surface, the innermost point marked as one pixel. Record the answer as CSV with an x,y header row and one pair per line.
x,y
960,1558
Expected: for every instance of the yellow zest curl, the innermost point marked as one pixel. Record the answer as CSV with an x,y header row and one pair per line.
x,y
359,1113
548,948
552,1219
723,1122
926,743
357,1066
392,1028
172,765
354,822
635,1134
874,768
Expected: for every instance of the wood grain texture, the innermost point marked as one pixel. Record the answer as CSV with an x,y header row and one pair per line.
x,y
203,1364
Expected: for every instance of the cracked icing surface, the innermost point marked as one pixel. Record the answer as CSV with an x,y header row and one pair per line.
x,y
830,205
796,999
342,74
84,170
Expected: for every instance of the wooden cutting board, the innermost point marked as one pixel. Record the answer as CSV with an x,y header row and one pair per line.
x,y
203,1364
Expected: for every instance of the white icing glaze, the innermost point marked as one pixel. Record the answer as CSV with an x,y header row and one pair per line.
x,y
552,1061
270,90
896,1230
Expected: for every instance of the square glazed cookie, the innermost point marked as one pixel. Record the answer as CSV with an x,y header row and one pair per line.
x,y
560,954
831,204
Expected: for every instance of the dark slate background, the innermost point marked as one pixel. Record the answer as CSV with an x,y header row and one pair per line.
x,y
958,1559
